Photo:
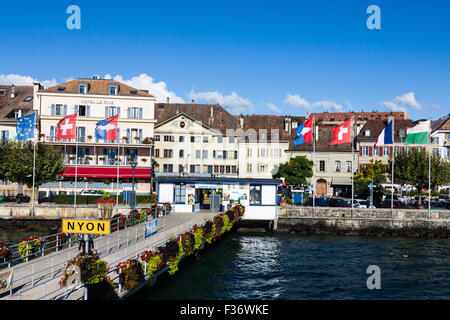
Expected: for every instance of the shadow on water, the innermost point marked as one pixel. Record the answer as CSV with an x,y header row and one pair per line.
x,y
285,266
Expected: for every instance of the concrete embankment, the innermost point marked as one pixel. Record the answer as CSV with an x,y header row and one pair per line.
x,y
375,222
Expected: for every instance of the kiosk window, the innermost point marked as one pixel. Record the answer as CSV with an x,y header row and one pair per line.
x,y
255,194
180,193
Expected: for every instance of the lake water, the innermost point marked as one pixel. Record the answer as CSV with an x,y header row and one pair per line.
x,y
285,266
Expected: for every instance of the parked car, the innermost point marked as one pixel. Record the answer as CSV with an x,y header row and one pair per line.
x,y
335,202
396,204
359,203
318,202
87,192
435,205
444,198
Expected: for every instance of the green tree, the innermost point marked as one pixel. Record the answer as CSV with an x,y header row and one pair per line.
x,y
16,162
412,168
373,172
295,172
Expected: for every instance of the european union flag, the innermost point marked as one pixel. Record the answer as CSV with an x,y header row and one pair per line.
x,y
25,127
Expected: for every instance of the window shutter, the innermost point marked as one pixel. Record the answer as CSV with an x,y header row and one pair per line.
x,y
360,150
52,133
140,113
390,151
118,133
65,110
76,109
106,112
52,110
118,111
370,151
140,135
380,151
129,113
88,111
128,135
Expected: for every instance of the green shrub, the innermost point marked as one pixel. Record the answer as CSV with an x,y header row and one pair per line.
x,y
68,199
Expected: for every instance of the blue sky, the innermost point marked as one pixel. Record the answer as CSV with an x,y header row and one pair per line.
x,y
268,57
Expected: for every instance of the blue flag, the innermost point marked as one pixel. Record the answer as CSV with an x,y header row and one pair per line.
x,y
25,127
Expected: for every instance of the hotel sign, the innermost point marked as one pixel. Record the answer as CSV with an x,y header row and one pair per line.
x,y
86,226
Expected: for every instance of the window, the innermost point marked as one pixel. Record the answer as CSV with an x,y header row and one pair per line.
x,y
83,88
113,89
28,99
224,154
59,110
5,135
367,133
168,168
385,151
322,165
180,168
375,151
255,194
158,138
262,168
180,192
276,153
169,138
112,111
168,153
205,139
135,113
219,139
235,155
349,166
156,153
249,167
231,139
82,111
197,154
181,153
249,152
263,152
181,139
365,151
2,92
337,164
204,154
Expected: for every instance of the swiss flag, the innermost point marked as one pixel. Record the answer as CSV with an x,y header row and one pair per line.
x,y
342,133
67,127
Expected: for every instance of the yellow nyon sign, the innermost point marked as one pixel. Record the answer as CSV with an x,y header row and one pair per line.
x,y
86,226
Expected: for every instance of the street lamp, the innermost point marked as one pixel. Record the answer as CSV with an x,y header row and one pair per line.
x,y
133,164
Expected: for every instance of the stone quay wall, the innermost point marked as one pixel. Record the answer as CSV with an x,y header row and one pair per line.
x,y
374,222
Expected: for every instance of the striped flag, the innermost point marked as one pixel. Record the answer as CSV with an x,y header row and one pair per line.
x,y
418,134
385,136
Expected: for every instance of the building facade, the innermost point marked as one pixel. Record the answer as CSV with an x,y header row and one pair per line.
x,y
97,163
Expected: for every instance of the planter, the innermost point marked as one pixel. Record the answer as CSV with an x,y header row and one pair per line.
x,y
283,203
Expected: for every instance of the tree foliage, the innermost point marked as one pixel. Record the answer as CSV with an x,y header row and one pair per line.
x,y
295,172
16,162
412,168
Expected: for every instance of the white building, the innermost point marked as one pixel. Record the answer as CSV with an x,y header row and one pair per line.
x,y
99,162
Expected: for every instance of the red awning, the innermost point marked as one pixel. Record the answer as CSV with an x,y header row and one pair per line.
x,y
109,172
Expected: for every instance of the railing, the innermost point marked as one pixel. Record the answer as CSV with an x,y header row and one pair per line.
x,y
46,267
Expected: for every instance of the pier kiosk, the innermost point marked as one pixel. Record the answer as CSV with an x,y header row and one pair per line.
x,y
192,194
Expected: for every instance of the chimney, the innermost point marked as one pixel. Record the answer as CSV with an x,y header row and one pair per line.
x,y
36,87
211,112
95,77
13,92
241,121
193,101
168,100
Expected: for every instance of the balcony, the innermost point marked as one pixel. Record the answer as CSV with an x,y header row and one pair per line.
x,y
87,141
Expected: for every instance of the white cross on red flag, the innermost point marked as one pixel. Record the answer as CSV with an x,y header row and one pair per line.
x,y
67,127
342,133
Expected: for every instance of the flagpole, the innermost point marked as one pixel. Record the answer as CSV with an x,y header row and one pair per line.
x,y
393,161
429,171
313,135
118,163
353,157
76,173
34,169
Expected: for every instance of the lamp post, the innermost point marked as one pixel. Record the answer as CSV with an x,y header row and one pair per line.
x,y
133,164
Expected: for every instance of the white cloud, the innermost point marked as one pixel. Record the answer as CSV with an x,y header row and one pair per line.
x,y
19,80
233,102
273,108
299,102
144,81
399,103
296,101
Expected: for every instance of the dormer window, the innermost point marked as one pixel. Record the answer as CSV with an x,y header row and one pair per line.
x,y
28,99
367,133
83,88
113,89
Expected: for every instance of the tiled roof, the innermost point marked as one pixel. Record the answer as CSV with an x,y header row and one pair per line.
x,y
376,126
8,105
441,124
221,119
268,122
322,144
97,86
